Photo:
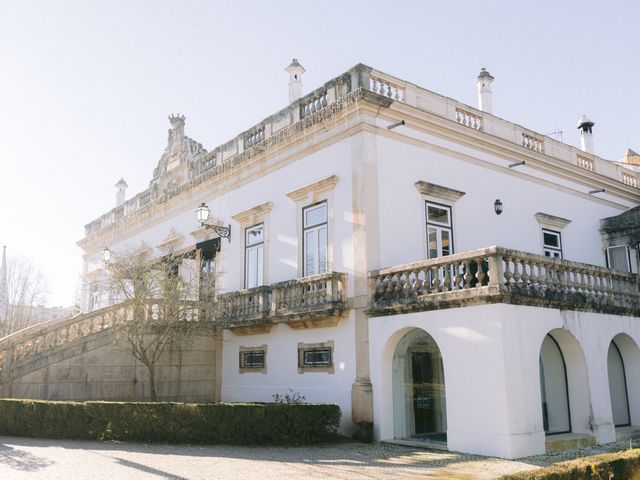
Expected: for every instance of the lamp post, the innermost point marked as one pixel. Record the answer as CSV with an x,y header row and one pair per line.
x,y
203,213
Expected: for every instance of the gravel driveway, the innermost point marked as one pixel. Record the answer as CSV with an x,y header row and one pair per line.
x,y
27,458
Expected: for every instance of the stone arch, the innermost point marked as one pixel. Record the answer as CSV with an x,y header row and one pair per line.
x,y
418,386
629,355
577,396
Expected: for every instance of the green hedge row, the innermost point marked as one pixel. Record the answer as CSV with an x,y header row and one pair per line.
x,y
205,423
607,466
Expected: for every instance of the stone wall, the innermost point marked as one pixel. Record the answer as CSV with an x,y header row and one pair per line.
x,y
102,369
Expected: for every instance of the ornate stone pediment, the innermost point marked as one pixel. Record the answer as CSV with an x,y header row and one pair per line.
x,y
172,240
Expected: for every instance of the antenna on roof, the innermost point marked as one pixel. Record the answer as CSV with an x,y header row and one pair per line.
x,y
556,132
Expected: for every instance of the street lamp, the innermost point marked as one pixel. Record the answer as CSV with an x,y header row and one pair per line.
x,y
106,254
203,213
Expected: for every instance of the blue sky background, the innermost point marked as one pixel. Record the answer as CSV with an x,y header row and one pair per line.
x,y
86,86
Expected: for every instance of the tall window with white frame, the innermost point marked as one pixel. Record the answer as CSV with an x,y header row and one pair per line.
x,y
315,239
551,243
439,230
254,256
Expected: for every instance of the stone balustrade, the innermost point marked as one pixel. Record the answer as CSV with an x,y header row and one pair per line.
x,y
254,137
532,143
629,179
385,86
49,335
336,94
300,299
498,274
313,104
585,163
468,119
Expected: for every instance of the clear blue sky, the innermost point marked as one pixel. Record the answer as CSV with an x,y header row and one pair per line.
x,y
86,86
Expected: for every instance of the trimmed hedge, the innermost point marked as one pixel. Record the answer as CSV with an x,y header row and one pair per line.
x,y
205,423
607,466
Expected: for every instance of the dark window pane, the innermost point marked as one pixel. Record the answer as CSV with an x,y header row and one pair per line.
x,y
317,357
437,215
254,359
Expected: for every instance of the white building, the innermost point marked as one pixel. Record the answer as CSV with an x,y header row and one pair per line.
x,y
435,270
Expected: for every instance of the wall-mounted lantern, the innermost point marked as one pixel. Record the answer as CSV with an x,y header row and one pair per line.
x,y
497,206
203,213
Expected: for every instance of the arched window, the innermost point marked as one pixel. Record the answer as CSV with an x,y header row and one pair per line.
x,y
618,387
553,385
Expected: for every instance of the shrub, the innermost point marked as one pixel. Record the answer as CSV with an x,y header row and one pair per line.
x,y
608,466
207,423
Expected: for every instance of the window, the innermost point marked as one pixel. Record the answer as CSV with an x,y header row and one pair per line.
x,y
439,230
254,256
551,243
315,238
207,278
315,357
618,258
253,359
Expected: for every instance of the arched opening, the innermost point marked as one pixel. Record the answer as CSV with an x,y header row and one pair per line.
x,y
624,360
618,386
556,415
419,401
564,385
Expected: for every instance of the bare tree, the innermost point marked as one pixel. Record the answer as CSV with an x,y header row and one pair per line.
x,y
27,288
158,306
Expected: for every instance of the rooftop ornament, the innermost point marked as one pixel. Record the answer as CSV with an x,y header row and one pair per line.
x,y
203,213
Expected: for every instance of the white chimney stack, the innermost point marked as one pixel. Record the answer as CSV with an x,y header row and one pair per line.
x,y
586,134
295,71
122,189
483,83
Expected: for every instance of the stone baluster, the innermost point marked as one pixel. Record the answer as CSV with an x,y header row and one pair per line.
x,y
516,272
447,277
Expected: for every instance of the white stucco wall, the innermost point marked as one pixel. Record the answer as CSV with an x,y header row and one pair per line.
x,y
490,356
475,223
282,367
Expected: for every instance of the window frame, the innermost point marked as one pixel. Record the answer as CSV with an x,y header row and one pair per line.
x,y
247,368
546,247
439,227
305,348
247,248
627,256
315,227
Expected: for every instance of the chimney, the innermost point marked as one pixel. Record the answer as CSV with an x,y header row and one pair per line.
x,y
586,135
295,71
483,83
122,188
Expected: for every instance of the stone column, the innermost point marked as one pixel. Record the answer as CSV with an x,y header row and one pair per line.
x,y
366,253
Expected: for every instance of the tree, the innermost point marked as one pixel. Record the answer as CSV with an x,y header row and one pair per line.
x,y
26,289
156,305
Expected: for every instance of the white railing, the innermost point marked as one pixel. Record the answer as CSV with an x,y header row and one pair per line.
x,y
314,104
629,179
468,119
532,143
585,163
385,87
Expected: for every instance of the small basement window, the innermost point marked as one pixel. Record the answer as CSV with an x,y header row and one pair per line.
x,y
253,359
315,357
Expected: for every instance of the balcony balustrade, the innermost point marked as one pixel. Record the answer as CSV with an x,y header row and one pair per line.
x,y
303,302
500,275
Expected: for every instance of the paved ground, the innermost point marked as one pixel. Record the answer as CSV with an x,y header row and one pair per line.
x,y
29,459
